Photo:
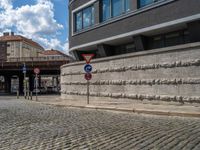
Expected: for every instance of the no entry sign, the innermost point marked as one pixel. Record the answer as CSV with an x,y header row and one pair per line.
x,y
36,70
88,76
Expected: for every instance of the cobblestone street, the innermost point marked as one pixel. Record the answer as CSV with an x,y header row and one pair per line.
x,y
33,126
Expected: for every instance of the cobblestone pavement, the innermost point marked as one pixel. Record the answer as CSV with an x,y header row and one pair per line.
x,y
32,126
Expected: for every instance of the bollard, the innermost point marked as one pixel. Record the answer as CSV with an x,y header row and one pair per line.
x,y
28,94
17,94
25,94
31,94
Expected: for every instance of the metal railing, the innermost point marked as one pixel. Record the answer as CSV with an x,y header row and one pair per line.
x,y
43,58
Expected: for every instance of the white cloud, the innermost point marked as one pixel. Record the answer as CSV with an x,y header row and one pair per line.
x,y
6,4
66,47
33,21
53,43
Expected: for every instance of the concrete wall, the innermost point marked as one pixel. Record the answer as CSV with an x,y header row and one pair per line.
x,y
162,75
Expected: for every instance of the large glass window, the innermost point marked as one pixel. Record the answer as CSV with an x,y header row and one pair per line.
x,y
84,18
113,8
117,8
79,21
127,5
106,14
143,3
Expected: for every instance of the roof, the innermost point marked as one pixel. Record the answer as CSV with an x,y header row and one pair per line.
x,y
53,52
10,38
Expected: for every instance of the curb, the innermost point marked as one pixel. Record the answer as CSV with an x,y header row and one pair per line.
x,y
138,111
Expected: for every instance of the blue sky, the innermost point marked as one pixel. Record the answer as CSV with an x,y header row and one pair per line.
x,y
44,21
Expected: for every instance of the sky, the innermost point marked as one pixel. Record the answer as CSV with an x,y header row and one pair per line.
x,y
43,21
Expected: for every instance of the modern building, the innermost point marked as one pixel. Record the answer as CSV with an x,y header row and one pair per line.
x,y
112,27
19,46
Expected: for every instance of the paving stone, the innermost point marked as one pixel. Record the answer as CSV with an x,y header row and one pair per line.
x,y
26,125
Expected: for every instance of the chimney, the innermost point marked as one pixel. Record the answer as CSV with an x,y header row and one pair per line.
x,y
12,33
6,33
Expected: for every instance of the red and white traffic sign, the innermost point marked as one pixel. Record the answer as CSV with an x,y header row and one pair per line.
x,y
36,70
88,57
88,76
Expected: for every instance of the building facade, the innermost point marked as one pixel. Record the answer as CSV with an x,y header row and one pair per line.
x,y
20,47
112,27
3,51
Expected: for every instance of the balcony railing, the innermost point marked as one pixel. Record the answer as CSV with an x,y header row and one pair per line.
x,y
36,59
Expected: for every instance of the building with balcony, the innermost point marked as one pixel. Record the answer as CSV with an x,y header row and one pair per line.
x,y
113,27
19,46
54,54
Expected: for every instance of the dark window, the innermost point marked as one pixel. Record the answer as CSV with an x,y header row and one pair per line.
x,y
168,39
143,3
113,8
84,18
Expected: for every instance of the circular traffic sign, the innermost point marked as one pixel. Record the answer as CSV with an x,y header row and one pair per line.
x,y
88,68
36,70
24,69
88,76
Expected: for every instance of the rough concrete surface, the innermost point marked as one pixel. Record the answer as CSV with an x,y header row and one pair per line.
x,y
166,75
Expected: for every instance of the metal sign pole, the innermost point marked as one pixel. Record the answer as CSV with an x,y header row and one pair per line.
x,y
88,70
36,84
36,71
25,85
24,71
88,92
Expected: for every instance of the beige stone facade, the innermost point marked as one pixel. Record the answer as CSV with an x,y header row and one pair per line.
x,y
20,47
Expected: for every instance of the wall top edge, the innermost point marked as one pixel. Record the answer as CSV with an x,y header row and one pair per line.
x,y
142,53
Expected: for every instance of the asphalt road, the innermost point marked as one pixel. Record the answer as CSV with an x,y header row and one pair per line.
x,y
32,126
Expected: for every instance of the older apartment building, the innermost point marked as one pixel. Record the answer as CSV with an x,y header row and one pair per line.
x,y
112,27
19,46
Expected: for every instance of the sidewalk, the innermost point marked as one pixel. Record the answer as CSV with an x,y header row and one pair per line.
x,y
128,106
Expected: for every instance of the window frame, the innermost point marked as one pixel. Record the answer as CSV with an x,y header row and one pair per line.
x,y
111,13
81,11
75,16
139,3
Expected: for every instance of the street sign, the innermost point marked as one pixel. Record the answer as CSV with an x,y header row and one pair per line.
x,y
88,76
36,70
88,68
88,57
24,69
